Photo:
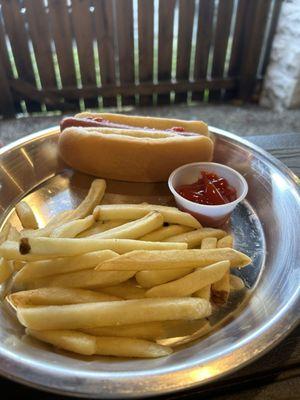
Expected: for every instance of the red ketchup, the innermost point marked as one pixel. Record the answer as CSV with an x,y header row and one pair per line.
x,y
210,189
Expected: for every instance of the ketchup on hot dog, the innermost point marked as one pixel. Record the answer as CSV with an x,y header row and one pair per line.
x,y
210,189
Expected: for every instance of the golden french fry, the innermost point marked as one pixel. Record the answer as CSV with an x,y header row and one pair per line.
x,y
150,330
54,222
126,290
93,315
194,238
77,342
5,270
18,265
140,260
203,293
209,243
57,296
236,283
226,241
220,290
148,279
82,343
88,278
44,268
130,347
165,232
93,198
134,211
134,229
13,234
72,228
100,226
26,215
43,248
192,282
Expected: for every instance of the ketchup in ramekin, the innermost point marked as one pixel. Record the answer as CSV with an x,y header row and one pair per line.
x,y
208,191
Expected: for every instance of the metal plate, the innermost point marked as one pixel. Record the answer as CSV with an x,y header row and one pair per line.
x,y
265,226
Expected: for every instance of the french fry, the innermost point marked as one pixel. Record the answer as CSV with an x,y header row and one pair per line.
x,y
130,347
33,249
93,198
57,296
44,268
126,290
140,260
192,282
72,228
100,226
134,229
54,222
134,211
165,232
203,293
13,234
77,342
150,330
88,278
220,289
194,238
26,215
209,243
81,343
226,241
148,279
5,270
93,315
236,283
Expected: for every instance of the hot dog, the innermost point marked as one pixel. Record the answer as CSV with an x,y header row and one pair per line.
x,y
132,148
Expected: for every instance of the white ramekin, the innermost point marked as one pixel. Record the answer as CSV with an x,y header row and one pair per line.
x,y
209,215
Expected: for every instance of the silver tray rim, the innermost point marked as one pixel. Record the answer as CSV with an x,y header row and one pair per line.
x,y
268,334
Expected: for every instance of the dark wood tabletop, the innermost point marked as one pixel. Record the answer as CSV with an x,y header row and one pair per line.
x,y
276,375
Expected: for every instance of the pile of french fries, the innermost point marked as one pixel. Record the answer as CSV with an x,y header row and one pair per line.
x,y
116,279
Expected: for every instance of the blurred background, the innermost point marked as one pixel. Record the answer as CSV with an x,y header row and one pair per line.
x,y
233,63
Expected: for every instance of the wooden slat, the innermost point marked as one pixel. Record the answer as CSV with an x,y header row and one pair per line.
x,y
239,40
257,17
220,43
142,88
38,24
82,27
105,31
61,32
165,44
145,24
15,28
273,25
204,38
124,27
7,106
186,19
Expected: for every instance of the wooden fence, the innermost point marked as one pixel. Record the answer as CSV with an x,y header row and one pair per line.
x,y
76,54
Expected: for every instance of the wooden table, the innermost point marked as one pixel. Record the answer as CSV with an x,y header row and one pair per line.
x,y
275,376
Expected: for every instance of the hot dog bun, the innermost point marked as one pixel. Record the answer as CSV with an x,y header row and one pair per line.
x,y
116,154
